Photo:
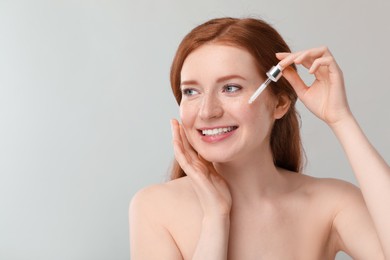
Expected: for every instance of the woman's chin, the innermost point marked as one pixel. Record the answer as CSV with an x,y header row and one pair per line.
x,y
216,158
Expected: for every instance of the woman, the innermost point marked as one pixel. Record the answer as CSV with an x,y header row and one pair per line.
x,y
236,191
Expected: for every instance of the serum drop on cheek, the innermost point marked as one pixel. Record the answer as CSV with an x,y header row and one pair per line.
x,y
274,74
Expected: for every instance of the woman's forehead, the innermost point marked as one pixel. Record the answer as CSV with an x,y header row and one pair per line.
x,y
218,59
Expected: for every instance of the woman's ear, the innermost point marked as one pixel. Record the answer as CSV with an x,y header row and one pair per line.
x,y
282,106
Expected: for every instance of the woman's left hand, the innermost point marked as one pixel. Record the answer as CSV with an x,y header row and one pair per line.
x,y
326,96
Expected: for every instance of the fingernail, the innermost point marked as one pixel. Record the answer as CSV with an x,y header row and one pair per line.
x,y
171,122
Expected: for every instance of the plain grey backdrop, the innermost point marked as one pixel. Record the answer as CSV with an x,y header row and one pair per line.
x,y
85,104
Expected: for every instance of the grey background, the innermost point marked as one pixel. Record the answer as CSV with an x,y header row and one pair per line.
x,y
85,104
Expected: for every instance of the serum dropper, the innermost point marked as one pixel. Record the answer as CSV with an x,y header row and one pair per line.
x,y
274,74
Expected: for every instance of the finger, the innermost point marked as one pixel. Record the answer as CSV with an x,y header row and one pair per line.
x,y
196,169
312,54
209,164
287,60
282,55
296,82
203,160
175,131
174,125
186,162
177,139
180,155
187,146
324,61
180,151
184,138
307,57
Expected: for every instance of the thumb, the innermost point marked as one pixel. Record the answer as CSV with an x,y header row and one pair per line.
x,y
295,80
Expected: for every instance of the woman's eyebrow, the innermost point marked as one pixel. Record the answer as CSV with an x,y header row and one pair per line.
x,y
228,77
188,82
219,80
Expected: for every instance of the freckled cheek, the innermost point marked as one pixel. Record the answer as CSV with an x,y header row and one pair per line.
x,y
255,115
250,117
187,114
245,110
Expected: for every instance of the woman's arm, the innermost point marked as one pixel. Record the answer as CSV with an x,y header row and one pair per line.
x,y
326,98
213,239
372,173
214,198
149,239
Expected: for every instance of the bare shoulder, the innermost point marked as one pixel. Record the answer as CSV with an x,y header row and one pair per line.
x,y
342,205
352,225
334,192
152,212
339,198
160,198
327,194
163,191
331,188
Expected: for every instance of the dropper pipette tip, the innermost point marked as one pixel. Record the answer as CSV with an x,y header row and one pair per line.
x,y
259,90
273,74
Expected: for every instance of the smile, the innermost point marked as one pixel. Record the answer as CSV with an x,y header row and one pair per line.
x,y
218,131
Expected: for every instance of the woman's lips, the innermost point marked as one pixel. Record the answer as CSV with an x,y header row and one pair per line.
x,y
216,134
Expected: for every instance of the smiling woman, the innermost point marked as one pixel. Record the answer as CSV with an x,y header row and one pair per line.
x,y
237,191
213,107
258,42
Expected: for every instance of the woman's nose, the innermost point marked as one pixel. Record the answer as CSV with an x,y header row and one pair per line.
x,y
211,107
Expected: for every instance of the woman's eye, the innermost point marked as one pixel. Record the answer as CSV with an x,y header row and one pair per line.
x,y
189,92
231,88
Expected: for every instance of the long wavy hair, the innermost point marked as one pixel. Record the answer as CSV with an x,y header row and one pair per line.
x,y
262,41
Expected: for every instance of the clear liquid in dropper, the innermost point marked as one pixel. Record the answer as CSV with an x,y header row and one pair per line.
x,y
259,90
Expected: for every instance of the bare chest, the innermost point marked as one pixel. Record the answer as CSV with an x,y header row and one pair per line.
x,y
280,234
291,231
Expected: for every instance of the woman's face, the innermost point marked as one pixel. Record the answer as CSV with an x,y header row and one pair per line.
x,y
216,83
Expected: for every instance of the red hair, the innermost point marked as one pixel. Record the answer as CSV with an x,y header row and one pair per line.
x,y
262,41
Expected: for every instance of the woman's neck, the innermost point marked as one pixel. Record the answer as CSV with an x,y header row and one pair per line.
x,y
252,177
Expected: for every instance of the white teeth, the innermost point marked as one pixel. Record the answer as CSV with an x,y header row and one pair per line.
x,y
217,131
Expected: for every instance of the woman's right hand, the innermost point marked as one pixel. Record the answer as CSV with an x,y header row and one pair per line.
x,y
210,187
325,97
